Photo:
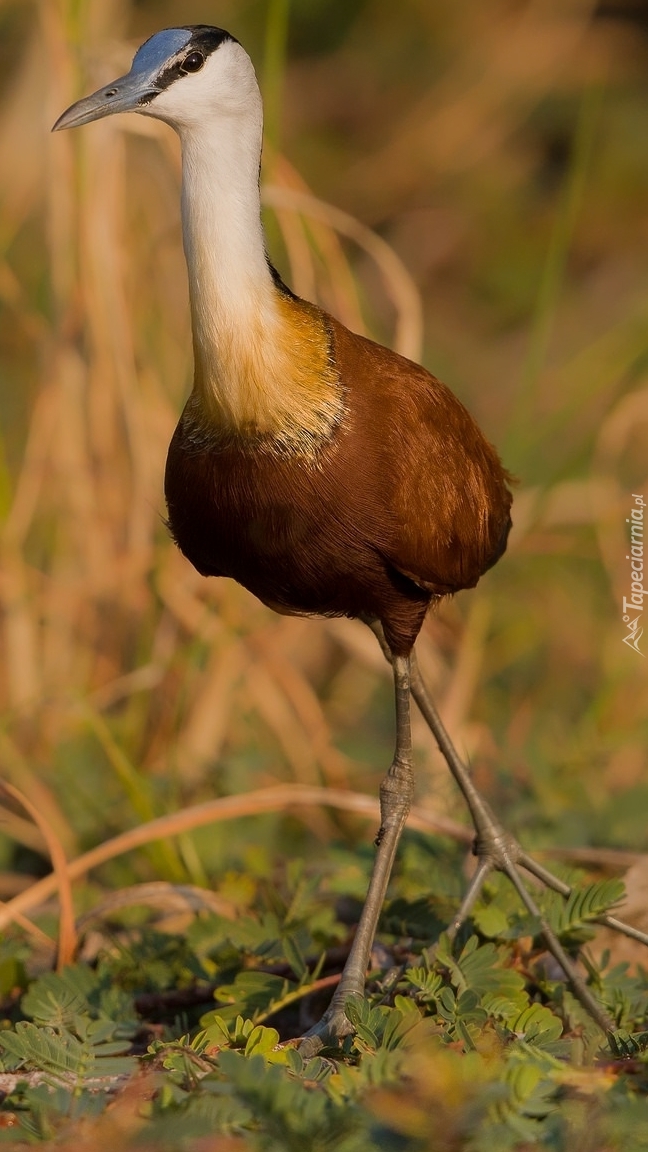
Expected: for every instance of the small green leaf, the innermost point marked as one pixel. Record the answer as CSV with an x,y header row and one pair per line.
x,y
625,1044
491,920
261,1040
216,1035
537,1025
295,957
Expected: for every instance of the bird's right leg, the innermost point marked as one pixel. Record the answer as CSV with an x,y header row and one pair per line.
x,y
396,793
496,848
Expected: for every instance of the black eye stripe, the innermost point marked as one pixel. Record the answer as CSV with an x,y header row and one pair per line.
x,y
204,40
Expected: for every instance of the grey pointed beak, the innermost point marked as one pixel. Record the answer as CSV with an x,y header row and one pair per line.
x,y
127,94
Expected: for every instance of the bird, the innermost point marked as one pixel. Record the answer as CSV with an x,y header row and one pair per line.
x,y
324,472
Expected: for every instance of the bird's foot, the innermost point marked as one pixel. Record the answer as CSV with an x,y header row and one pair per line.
x,y
499,850
327,1033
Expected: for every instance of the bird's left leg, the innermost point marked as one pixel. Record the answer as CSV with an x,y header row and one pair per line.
x,y
396,793
496,848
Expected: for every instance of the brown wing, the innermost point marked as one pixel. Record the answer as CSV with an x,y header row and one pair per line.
x,y
442,483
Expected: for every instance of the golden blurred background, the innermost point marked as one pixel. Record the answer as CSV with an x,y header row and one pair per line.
x,y
476,172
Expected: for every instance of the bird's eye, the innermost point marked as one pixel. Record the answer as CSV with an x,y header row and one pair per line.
x,y
193,62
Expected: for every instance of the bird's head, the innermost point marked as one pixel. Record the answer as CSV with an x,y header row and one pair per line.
x,y
180,75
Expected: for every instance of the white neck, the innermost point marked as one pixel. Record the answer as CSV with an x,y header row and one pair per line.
x,y
230,285
262,358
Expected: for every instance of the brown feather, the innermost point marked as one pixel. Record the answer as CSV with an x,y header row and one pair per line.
x,y
404,501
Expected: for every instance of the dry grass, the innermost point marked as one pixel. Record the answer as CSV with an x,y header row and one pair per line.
x,y
471,141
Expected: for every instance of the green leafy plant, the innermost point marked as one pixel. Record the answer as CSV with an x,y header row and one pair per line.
x,y
470,1031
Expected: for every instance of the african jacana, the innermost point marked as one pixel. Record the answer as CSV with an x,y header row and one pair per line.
x,y
325,473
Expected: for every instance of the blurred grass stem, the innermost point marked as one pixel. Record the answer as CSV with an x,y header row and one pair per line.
x,y
274,71
521,425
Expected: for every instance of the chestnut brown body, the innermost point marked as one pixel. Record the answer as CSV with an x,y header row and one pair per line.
x,y
405,501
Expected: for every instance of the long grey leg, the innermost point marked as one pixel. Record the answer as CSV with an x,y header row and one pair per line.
x,y
498,849
396,793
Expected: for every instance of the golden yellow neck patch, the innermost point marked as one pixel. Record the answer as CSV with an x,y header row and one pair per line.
x,y
269,374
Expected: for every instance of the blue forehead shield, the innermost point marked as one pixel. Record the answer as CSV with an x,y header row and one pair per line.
x,y
154,53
